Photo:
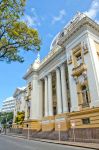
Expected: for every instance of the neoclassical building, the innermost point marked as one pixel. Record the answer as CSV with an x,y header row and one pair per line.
x,y
63,88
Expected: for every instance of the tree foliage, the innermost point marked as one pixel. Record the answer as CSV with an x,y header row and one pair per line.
x,y
20,117
15,35
6,117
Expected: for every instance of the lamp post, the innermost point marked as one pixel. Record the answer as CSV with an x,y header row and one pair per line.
x,y
5,122
73,127
28,132
59,131
6,125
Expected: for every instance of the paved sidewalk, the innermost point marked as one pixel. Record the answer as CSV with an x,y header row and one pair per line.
x,y
76,144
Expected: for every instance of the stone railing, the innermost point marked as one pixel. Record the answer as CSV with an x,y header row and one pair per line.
x,y
50,54
79,69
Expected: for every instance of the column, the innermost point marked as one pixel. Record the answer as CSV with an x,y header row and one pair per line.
x,y
40,111
58,91
64,88
46,96
50,99
26,110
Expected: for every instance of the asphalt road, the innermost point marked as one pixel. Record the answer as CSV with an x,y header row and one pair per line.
x,y
13,143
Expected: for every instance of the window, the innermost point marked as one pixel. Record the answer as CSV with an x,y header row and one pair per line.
x,y
86,120
78,58
54,110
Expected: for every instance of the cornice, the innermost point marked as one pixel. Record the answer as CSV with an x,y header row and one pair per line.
x,y
63,37
28,73
74,28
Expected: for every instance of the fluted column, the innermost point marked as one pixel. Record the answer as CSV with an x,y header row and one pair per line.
x,y
64,88
58,91
46,96
26,111
50,100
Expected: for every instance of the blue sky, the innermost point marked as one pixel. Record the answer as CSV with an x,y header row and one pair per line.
x,y
48,17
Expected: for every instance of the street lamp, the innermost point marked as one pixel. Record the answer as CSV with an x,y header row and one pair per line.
x,y
59,130
73,127
28,132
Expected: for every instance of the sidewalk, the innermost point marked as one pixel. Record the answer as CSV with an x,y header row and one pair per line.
x,y
76,144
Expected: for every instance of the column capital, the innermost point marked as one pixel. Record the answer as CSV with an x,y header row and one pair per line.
x,y
45,78
62,65
57,68
49,74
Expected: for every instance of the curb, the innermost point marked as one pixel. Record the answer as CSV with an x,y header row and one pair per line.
x,y
54,142
63,143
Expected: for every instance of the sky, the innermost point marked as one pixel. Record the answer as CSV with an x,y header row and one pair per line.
x,y
48,17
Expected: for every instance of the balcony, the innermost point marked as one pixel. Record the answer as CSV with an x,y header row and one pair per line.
x,y
79,69
84,105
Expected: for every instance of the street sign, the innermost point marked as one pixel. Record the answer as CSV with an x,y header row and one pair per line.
x,y
73,127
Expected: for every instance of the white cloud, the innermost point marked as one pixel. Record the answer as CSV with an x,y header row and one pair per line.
x,y
36,17
28,20
60,17
50,35
93,10
31,20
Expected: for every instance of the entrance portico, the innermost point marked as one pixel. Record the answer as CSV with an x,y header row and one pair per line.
x,y
61,101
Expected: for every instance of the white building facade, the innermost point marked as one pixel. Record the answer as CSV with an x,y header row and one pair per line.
x,y
19,96
8,105
64,87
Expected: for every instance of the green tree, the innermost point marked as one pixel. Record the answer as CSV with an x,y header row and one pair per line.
x,y
15,35
6,117
20,117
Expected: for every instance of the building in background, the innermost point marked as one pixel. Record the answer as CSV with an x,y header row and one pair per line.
x,y
20,103
8,105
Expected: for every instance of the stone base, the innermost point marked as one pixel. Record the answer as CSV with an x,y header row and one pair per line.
x,y
48,123
32,125
91,113
84,135
81,135
17,130
63,121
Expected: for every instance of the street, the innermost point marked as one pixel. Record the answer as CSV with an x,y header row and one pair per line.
x,y
14,143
